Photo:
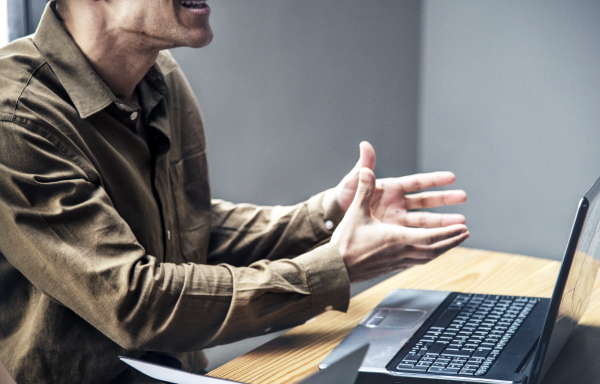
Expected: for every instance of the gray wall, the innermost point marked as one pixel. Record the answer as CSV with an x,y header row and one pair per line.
x,y
511,103
505,94
288,89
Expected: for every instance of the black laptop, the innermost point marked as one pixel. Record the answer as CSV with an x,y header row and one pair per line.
x,y
438,337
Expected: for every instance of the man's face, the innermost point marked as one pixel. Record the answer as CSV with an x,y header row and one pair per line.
x,y
165,23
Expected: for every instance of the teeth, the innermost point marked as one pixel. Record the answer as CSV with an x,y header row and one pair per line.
x,y
193,4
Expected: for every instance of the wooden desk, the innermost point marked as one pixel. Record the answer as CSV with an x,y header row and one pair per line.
x,y
297,353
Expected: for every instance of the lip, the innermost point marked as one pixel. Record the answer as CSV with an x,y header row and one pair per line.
x,y
205,11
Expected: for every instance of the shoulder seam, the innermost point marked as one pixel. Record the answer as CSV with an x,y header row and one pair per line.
x,y
55,141
25,86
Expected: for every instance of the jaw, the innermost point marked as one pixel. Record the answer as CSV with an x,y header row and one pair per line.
x,y
185,24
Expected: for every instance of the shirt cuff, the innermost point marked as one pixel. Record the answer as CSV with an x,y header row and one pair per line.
x,y
327,278
325,213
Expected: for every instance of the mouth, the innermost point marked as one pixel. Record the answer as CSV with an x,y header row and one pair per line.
x,y
193,4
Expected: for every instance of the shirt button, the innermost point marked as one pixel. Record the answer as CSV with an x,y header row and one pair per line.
x,y
133,115
329,225
328,308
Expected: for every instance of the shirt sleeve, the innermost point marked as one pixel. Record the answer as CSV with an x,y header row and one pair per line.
x,y
61,231
244,233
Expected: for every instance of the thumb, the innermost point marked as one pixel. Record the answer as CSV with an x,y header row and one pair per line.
x,y
367,155
361,205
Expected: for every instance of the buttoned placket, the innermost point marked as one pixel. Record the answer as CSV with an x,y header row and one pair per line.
x,y
159,145
132,117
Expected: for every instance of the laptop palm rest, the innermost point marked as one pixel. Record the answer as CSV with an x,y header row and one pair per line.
x,y
396,318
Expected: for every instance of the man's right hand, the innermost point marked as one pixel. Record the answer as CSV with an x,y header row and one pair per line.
x,y
371,248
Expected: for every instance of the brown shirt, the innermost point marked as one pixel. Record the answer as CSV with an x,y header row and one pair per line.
x,y
110,243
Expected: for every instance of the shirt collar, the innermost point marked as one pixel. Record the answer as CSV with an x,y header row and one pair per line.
x,y
88,92
85,88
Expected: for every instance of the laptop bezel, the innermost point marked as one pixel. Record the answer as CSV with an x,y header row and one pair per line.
x,y
539,358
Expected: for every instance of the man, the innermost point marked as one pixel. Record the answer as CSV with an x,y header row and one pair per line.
x,y
110,242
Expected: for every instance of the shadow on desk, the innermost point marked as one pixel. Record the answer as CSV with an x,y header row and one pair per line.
x,y
579,360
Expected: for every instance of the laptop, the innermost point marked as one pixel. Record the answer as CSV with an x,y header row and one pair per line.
x,y
342,371
437,337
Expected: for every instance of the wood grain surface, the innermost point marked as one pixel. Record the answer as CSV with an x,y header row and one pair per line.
x,y
297,353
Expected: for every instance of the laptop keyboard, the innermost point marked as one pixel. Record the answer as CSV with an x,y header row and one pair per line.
x,y
469,335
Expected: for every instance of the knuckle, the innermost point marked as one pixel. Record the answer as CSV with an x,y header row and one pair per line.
x,y
417,185
422,219
429,240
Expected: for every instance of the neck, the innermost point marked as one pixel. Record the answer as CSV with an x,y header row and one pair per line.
x,y
121,59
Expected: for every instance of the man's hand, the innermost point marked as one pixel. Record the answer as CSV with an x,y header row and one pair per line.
x,y
391,204
375,237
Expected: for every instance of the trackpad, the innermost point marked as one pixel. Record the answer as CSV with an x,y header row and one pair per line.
x,y
397,318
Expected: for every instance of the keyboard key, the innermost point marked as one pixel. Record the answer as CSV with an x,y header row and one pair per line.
x,y
446,318
414,369
481,352
436,348
436,369
461,353
411,358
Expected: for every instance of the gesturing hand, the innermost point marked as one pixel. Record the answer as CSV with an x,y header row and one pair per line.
x,y
374,237
391,202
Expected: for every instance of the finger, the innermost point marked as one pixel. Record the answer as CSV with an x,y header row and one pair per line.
x,y
367,155
361,205
443,246
421,181
432,220
421,236
435,199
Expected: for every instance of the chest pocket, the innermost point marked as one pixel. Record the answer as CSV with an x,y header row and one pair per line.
x,y
191,196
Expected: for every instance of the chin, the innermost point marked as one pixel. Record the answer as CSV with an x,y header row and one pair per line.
x,y
200,41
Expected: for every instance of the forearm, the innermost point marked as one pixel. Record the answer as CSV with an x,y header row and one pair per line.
x,y
244,233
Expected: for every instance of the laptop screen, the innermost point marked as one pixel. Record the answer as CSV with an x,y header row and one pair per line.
x,y
584,250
